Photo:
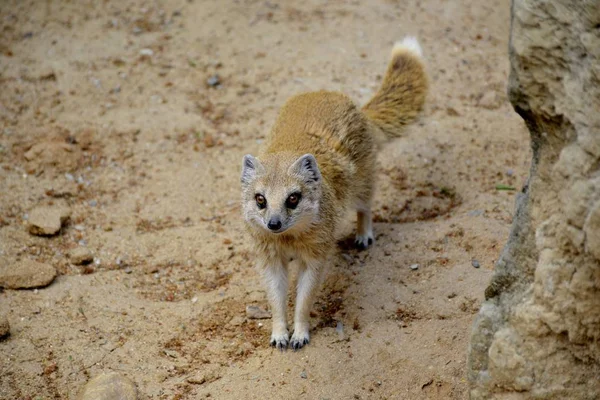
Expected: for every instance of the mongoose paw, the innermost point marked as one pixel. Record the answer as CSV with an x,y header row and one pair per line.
x,y
280,341
299,340
362,242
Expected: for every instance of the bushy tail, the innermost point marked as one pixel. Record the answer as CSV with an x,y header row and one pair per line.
x,y
402,93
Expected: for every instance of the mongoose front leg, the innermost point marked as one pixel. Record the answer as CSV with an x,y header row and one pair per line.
x,y
276,280
309,279
364,229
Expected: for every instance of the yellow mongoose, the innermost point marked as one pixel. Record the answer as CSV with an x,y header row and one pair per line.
x,y
318,160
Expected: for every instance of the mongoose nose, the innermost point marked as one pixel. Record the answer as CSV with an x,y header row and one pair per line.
x,y
274,224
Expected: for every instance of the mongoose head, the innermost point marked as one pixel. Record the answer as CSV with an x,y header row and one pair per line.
x,y
281,193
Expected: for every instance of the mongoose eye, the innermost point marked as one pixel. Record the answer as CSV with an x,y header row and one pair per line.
x,y
293,200
261,202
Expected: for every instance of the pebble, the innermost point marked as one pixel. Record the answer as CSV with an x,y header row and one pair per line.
x,y
202,378
213,81
171,353
237,320
109,386
4,327
26,274
255,312
47,220
146,52
339,328
451,111
414,267
475,263
347,257
303,375
81,255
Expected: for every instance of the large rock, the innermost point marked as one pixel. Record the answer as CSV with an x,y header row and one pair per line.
x,y
109,386
537,336
4,326
47,220
26,274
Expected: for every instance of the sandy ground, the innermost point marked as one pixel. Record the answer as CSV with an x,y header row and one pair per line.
x,y
105,107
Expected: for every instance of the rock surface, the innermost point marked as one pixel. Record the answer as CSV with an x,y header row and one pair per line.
x,y
490,100
47,220
538,333
109,386
26,274
4,327
81,255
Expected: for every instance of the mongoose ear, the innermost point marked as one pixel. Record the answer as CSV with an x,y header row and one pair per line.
x,y
250,168
306,166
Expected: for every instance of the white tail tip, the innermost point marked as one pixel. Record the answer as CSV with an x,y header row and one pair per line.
x,y
409,43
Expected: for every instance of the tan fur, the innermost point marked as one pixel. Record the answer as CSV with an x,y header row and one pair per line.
x,y
342,138
402,94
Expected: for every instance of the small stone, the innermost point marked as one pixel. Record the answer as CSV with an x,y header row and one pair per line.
x,y
146,52
47,220
202,378
213,81
475,263
81,256
171,353
26,274
347,257
452,112
237,320
303,375
414,267
209,140
109,386
255,312
4,327
339,328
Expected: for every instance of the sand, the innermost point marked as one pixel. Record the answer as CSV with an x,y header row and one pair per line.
x,y
136,115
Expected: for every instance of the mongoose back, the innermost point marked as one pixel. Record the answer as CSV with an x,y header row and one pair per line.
x,y
319,160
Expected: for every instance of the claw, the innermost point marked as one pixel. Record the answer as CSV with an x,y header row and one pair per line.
x,y
362,243
298,344
280,345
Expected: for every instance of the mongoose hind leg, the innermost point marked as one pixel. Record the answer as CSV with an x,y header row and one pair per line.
x,y
364,229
